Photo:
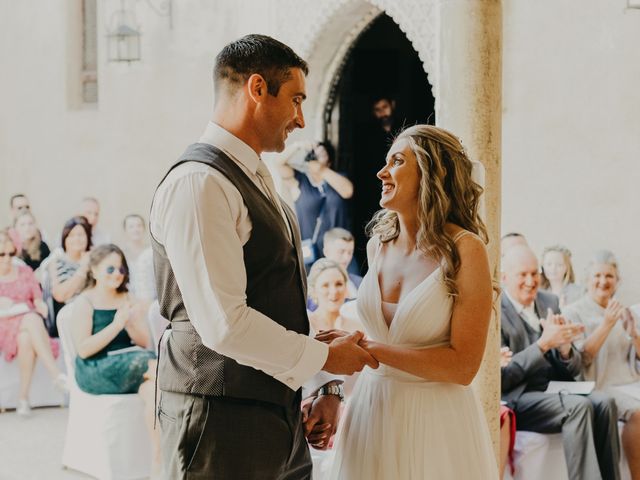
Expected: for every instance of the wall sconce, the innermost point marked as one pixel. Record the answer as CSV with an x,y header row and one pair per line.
x,y
124,37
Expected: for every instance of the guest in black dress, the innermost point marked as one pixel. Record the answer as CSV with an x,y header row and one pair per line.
x,y
33,250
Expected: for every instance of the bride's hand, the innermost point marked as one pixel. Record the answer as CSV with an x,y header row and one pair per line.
x,y
328,336
368,345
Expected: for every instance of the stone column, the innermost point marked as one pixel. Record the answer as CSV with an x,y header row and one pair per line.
x,y
469,103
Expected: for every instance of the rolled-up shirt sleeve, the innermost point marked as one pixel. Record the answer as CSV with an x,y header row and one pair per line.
x,y
196,220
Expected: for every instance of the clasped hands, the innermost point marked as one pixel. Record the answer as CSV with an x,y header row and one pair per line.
x,y
348,354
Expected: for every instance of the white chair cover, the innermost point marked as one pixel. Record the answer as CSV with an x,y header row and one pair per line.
x,y
42,393
540,456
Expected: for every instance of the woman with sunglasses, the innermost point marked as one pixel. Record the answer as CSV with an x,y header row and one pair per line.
x,y
106,323
111,336
22,331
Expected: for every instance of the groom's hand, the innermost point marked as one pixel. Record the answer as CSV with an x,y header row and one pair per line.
x,y
321,420
346,357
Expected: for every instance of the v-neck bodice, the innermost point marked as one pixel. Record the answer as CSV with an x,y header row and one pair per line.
x,y
421,319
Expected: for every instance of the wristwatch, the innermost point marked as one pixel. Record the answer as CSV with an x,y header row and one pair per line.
x,y
332,390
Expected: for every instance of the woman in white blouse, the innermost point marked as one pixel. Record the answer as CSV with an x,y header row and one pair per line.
x,y
611,348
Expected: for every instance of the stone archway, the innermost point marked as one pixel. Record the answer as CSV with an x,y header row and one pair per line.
x,y
337,24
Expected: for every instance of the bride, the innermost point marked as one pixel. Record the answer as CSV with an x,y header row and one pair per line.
x,y
426,305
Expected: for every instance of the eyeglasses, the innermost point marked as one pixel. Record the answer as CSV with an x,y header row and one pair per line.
x,y
111,270
8,254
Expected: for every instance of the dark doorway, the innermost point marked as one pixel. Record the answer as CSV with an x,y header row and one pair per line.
x,y
382,63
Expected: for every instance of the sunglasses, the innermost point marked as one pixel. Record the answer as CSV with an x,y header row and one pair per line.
x,y
8,254
111,270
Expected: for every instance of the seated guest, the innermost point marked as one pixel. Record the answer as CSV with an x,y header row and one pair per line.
x,y
90,209
328,290
34,250
338,246
134,246
17,203
106,322
557,275
22,331
143,283
68,270
541,342
611,349
319,193
135,237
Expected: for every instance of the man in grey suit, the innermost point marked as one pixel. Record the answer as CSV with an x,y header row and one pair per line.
x,y
541,342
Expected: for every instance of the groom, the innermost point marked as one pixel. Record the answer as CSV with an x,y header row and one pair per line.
x,y
231,280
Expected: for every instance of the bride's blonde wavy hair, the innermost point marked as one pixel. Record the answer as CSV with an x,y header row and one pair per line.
x,y
447,194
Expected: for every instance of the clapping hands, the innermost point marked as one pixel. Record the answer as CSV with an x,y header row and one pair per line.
x,y
122,316
558,333
613,312
505,356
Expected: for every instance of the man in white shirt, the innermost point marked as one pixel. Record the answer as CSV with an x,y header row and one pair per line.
x,y
231,281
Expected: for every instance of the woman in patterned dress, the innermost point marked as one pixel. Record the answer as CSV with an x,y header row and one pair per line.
x,y
22,331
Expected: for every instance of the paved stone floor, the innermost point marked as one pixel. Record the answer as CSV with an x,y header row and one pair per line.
x,y
31,448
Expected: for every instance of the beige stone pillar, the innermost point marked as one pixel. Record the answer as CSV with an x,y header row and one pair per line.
x,y
469,104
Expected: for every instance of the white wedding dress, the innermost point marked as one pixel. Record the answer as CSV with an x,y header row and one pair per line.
x,y
401,427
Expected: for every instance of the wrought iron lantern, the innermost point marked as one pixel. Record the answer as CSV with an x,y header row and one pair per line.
x,y
123,38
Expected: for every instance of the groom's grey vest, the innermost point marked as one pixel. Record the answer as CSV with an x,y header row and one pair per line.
x,y
276,287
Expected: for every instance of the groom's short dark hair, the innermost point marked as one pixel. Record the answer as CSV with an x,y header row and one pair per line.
x,y
260,54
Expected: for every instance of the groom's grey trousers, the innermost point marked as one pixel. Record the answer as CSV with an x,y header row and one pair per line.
x,y
588,425
222,438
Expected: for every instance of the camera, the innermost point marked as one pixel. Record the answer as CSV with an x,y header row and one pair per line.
x,y
311,155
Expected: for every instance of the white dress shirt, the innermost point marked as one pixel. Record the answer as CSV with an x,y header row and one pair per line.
x,y
200,218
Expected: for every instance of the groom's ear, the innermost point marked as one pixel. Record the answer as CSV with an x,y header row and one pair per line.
x,y
257,88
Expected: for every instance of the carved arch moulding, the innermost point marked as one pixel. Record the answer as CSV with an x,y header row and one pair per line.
x,y
333,27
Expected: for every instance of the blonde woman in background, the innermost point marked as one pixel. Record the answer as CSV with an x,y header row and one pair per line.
x,y
328,290
557,275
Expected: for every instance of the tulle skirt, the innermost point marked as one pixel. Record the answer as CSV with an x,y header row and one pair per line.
x,y
399,427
